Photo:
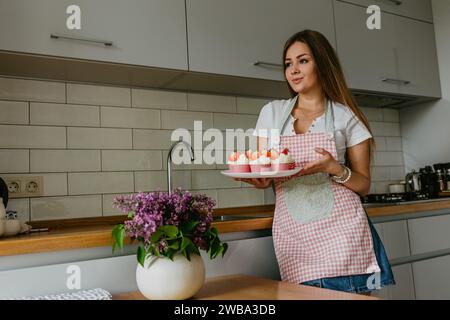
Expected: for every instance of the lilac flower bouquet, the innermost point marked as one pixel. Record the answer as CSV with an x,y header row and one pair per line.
x,y
166,224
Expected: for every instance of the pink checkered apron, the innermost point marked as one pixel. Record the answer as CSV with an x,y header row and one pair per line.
x,y
320,228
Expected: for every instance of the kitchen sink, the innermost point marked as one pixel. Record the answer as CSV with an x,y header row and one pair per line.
x,y
233,217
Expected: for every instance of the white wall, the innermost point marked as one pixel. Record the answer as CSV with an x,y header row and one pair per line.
x,y
426,127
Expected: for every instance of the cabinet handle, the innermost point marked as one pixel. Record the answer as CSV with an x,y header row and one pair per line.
x,y
396,81
271,64
106,43
397,2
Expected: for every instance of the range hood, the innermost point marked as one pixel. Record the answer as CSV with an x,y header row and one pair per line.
x,y
383,100
33,66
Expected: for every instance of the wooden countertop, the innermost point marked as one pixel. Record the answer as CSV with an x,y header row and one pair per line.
x,y
243,287
78,237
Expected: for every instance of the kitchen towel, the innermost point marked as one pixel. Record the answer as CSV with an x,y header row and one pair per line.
x,y
93,294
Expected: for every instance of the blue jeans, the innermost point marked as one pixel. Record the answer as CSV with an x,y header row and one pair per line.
x,y
365,282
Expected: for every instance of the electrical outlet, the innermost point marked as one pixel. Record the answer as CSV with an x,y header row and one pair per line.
x,y
25,186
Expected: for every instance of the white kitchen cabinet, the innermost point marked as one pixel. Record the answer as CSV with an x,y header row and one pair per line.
x,y
142,32
431,278
429,234
399,58
394,236
416,9
228,37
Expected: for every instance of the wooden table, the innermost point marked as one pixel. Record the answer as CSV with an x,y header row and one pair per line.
x,y
243,287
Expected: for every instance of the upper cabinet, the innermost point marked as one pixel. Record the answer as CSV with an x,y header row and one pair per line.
x,y
399,58
416,9
139,32
246,38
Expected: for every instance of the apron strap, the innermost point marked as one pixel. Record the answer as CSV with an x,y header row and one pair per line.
x,y
287,113
329,116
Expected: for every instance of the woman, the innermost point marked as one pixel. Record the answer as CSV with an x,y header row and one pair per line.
x,y
322,235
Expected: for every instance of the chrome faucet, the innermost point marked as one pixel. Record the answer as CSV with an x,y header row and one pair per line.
x,y
169,161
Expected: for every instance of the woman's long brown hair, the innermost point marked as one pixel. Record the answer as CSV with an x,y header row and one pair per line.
x,y
329,72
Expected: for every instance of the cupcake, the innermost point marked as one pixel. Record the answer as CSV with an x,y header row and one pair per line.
x,y
282,161
260,161
238,162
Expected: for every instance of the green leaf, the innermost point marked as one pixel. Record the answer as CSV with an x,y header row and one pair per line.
x,y
170,231
174,245
189,226
141,254
118,235
186,242
156,235
130,215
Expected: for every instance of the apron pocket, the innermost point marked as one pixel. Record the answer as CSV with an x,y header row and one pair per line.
x,y
309,198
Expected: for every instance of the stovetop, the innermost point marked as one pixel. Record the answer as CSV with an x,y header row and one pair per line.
x,y
378,200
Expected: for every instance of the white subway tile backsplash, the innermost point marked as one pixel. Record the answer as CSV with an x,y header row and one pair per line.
x,y
380,173
385,129
130,118
64,160
14,160
64,115
391,115
250,105
98,95
14,112
388,159
159,99
12,136
100,182
373,114
157,180
151,139
184,119
131,160
22,207
99,138
234,121
240,197
393,144
397,173
55,208
381,187
212,179
185,163
212,103
380,143
32,90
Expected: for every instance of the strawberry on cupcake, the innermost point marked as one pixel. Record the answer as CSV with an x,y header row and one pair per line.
x,y
238,162
260,161
282,161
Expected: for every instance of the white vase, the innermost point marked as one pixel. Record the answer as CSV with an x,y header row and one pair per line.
x,y
164,279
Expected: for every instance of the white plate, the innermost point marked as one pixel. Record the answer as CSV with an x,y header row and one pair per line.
x,y
268,174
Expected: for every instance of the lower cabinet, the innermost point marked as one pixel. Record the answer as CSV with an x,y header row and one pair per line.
x,y
431,279
394,236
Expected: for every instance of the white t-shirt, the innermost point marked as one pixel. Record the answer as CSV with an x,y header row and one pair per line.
x,y
349,130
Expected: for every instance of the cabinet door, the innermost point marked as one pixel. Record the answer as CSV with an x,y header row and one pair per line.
x,y
142,32
429,234
417,9
431,278
394,236
367,56
417,57
399,58
228,37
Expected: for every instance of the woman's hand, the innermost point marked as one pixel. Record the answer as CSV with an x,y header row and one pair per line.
x,y
326,164
258,183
